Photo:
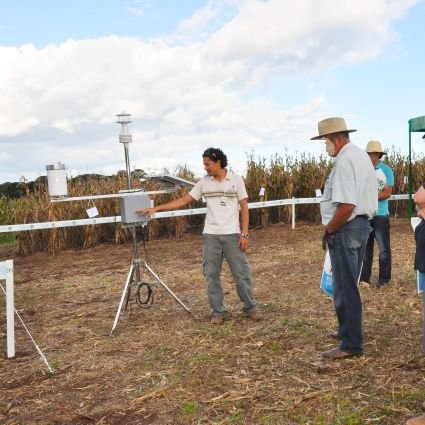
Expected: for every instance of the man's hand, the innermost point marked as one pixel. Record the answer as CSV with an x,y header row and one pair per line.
x,y
421,213
386,192
243,244
147,211
328,240
169,206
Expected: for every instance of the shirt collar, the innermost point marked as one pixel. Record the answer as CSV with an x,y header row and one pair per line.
x,y
225,178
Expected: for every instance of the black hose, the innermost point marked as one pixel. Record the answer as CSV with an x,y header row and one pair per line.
x,y
148,299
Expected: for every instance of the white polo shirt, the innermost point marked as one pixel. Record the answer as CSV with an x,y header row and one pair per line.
x,y
352,181
222,200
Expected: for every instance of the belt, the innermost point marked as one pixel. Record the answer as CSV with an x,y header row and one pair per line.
x,y
362,216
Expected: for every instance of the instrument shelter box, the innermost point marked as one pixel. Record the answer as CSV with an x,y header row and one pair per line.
x,y
130,205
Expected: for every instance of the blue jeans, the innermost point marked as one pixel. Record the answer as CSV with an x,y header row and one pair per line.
x,y
346,260
381,232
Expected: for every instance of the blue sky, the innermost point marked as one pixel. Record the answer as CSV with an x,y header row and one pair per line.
x,y
243,75
46,21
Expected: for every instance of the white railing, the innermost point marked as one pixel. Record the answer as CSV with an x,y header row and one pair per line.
x,y
178,213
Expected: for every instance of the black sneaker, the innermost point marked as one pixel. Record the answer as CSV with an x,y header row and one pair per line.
x,y
382,283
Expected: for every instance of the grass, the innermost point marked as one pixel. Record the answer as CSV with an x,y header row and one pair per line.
x,y
190,407
7,238
165,366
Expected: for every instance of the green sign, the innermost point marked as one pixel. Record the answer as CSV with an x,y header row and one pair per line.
x,y
417,124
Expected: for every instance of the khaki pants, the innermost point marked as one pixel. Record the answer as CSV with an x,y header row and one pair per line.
x,y
217,247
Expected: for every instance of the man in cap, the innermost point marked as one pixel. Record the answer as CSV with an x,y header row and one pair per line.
x,y
381,222
349,200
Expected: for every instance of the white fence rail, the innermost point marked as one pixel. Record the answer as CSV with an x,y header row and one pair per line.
x,y
179,213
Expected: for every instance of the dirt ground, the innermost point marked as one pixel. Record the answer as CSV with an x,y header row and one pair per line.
x,y
167,367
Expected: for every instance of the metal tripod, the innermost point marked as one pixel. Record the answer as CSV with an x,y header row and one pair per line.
x,y
130,281
125,138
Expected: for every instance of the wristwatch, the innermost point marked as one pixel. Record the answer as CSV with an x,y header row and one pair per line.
x,y
245,235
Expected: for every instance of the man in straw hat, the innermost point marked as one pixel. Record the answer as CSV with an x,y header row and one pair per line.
x,y
381,222
349,201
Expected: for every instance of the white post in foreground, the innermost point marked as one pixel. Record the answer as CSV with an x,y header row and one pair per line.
x,y
293,212
6,272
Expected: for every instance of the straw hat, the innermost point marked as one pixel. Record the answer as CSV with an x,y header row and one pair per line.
x,y
374,147
330,126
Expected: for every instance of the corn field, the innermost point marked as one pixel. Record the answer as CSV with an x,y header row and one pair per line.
x,y
282,178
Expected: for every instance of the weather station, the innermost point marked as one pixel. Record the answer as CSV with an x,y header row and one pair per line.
x,y
131,200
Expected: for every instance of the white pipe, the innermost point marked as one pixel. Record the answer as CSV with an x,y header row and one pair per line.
x,y
111,195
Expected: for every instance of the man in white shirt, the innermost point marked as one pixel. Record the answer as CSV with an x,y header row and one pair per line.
x,y
349,201
223,235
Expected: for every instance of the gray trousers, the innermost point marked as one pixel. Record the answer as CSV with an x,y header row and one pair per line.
x,y
215,248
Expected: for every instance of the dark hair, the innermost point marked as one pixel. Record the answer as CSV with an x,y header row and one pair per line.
x,y
343,134
216,155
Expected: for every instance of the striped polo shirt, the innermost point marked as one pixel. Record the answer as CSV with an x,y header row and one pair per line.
x,y
222,199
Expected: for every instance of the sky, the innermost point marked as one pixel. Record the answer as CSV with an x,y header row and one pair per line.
x,y
252,77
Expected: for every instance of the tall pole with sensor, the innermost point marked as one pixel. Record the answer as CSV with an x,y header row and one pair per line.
x,y
125,138
130,201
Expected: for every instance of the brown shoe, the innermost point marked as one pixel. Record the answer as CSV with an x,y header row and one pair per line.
x,y
420,420
254,316
336,353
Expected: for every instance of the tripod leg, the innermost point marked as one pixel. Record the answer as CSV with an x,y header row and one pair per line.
x,y
127,298
124,293
166,287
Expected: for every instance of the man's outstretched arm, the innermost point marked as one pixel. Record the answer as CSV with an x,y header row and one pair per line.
x,y
169,206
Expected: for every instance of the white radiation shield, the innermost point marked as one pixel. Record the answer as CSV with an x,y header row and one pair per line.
x,y
56,180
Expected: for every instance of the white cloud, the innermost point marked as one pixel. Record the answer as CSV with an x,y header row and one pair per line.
x,y
183,97
290,34
201,18
136,11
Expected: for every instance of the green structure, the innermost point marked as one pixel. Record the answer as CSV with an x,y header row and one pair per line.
x,y
415,125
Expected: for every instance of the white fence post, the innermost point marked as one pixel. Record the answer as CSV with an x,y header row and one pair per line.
x,y
6,272
293,212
